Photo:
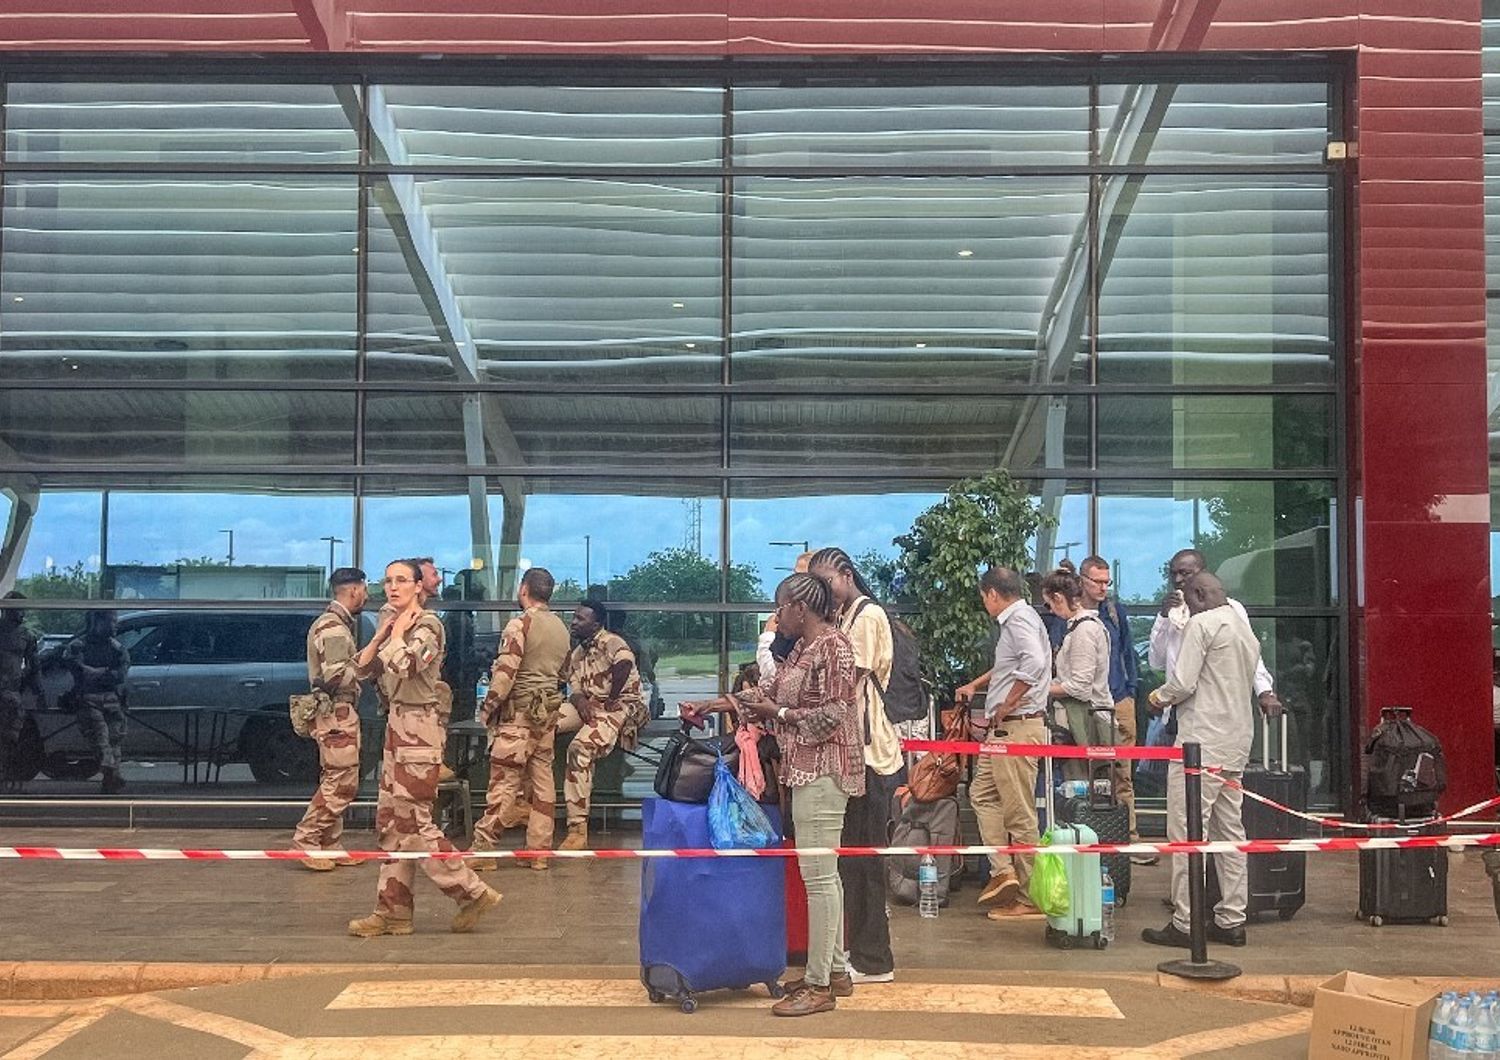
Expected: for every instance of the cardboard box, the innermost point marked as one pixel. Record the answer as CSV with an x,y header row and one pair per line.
x,y
1364,1017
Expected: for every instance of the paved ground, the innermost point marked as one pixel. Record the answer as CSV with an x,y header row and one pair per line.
x,y
584,913
577,1012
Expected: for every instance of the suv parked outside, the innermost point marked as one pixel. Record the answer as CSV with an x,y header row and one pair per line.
x,y
244,663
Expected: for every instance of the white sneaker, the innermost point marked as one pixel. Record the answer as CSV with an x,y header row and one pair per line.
x,y
871,977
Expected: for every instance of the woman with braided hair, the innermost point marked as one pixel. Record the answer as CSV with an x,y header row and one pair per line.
x,y
811,706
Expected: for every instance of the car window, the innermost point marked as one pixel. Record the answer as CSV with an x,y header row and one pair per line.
x,y
144,642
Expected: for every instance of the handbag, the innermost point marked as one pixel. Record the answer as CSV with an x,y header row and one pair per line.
x,y
935,776
686,770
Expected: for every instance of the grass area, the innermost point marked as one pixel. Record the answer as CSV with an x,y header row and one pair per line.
x,y
705,664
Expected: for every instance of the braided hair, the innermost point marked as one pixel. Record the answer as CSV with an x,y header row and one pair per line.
x,y
839,560
810,590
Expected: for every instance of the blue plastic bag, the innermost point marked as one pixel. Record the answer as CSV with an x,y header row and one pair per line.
x,y
1156,736
735,820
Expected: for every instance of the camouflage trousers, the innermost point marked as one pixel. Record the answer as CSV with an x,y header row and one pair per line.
x,y
520,774
595,739
102,721
12,723
337,734
414,738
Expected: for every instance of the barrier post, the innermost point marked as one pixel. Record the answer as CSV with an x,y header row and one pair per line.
x,y
1197,966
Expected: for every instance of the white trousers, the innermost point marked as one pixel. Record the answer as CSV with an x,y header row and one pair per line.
x,y
1221,823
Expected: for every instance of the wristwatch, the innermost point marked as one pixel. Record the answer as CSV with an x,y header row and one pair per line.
x,y
781,714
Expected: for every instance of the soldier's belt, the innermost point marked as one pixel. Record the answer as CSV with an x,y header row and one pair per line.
x,y
415,706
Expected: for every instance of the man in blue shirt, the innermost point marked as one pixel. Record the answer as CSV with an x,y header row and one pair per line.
x,y
1124,676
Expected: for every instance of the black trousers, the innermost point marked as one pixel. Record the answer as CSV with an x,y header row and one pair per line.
x,y
867,824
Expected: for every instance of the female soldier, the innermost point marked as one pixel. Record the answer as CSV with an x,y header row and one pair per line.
x,y
407,653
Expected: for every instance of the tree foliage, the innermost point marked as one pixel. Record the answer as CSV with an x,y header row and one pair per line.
x,y
58,583
982,522
680,575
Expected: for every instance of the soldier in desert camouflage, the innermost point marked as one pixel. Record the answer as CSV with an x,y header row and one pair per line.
x,y
520,711
407,651
333,669
605,706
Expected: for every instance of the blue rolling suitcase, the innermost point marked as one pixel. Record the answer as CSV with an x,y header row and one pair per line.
x,y
707,923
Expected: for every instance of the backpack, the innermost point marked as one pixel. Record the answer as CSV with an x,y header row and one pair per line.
x,y
921,824
1406,765
904,697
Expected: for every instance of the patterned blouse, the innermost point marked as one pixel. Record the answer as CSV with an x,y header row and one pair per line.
x,y
820,736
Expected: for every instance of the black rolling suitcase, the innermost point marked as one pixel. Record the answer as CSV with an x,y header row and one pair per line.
x,y
1109,818
1407,884
1276,882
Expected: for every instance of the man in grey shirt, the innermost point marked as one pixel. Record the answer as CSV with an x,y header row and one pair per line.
x,y
1003,793
1211,687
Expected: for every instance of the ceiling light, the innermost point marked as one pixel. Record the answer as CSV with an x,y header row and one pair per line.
x,y
692,345
921,345
679,305
18,298
966,253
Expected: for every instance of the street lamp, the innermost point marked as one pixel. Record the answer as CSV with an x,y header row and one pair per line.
x,y
805,546
231,545
331,542
1063,548
588,561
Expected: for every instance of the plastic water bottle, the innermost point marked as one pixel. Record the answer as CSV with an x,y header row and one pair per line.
x,y
1442,1026
1461,1029
1486,1032
927,881
1107,904
481,689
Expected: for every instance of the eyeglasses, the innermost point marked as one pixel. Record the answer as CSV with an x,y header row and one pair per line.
x,y
1103,583
399,581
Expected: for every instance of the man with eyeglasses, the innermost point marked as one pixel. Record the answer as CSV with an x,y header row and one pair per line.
x,y
1124,678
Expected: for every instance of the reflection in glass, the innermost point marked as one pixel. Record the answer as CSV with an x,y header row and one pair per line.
x,y
125,121
874,124
178,278
177,537
553,280
547,429
1270,541
936,435
1215,280
1170,123
1216,431
171,426
890,280
561,125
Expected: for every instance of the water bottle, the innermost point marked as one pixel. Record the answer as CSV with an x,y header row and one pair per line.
x,y
1442,1026
1107,908
1461,1029
481,689
1486,1032
927,881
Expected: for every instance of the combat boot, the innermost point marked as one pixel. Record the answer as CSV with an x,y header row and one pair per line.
x,y
113,783
482,864
375,925
469,913
317,864
517,817
577,837
540,864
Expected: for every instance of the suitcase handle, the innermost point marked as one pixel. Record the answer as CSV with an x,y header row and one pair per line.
x,y
1265,743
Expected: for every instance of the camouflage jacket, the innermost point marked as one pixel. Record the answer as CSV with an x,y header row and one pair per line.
x,y
331,651
527,672
411,667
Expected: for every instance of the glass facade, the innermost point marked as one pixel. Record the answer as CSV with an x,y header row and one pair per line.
x,y
658,335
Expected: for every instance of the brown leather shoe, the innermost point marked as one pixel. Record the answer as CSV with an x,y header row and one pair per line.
x,y
469,913
1020,909
1002,887
842,985
806,1001
375,925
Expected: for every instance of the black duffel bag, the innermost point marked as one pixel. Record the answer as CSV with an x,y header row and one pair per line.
x,y
686,772
1406,769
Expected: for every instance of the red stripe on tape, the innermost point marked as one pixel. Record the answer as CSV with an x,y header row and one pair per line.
x,y
1041,750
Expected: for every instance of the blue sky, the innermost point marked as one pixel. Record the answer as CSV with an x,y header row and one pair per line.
x,y
280,529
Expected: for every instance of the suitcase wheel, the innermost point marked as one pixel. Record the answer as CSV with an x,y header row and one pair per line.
x,y
656,997
1359,914
1065,941
1377,921
689,1005
1442,921
775,989
1100,941
1286,914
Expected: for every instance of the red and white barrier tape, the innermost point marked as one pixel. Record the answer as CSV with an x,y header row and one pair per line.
x,y
1042,750
1251,846
1339,822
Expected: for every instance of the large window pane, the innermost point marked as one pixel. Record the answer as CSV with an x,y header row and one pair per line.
x,y
1216,431
1215,280
500,125
642,540
117,121
1491,39
548,429
177,426
874,124
939,435
1271,542
1170,123
178,278
162,537
557,281
894,280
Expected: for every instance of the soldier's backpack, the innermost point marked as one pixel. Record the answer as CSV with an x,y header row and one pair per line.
x,y
904,696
